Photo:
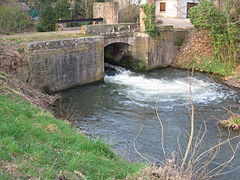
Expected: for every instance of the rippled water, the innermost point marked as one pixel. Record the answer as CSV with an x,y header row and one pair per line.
x,y
125,102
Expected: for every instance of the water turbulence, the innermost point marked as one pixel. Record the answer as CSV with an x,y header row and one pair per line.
x,y
144,89
125,102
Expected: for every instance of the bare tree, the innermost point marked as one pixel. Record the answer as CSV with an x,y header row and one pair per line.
x,y
129,11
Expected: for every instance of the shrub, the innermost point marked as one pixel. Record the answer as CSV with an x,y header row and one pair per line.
x,y
222,31
48,19
62,9
151,27
205,15
83,8
129,14
13,20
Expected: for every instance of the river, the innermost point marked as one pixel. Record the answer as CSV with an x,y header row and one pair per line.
x,y
115,110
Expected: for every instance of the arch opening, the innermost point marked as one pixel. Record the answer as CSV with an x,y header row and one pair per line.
x,y
117,53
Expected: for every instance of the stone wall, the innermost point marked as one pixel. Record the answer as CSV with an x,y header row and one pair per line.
x,y
61,64
106,10
122,33
179,36
155,52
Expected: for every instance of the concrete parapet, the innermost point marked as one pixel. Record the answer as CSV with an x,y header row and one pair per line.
x,y
111,29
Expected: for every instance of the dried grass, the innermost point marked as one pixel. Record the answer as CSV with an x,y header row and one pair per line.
x,y
11,169
10,55
232,123
169,171
10,84
197,45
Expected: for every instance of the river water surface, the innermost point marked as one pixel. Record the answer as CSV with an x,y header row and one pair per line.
x,y
116,109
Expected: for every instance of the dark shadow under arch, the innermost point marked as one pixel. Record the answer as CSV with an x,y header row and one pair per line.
x,y
114,53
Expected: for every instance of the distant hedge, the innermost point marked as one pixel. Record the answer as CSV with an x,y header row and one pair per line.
x,y
13,20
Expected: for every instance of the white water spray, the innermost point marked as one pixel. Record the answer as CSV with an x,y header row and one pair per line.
x,y
140,88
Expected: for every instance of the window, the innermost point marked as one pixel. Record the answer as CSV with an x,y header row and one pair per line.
x,y
162,7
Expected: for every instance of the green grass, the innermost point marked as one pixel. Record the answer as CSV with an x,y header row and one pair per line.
x,y
232,123
43,147
236,120
213,65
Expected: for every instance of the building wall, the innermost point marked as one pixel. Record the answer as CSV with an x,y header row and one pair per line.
x,y
171,8
174,8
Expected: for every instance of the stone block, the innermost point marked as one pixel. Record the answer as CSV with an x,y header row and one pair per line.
x,y
106,10
61,64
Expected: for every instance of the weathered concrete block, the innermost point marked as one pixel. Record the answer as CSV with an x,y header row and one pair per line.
x,y
111,30
61,64
154,52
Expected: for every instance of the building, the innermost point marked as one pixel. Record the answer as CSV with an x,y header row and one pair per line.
x,y
173,8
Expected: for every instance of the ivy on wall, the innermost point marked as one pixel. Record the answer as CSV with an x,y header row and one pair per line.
x,y
151,27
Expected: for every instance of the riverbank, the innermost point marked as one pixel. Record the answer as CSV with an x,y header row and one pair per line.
x,y
197,53
34,144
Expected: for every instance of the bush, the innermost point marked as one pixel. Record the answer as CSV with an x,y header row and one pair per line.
x,y
62,9
151,27
83,9
48,19
205,15
13,20
222,30
214,65
129,14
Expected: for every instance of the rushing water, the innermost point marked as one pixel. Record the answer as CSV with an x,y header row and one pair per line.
x,y
116,109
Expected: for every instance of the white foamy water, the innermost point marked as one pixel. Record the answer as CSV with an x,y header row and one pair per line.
x,y
140,88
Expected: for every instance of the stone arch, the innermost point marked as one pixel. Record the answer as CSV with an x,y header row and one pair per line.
x,y
112,40
115,52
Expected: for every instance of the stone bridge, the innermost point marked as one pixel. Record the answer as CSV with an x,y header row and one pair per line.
x,y
112,33
118,38
60,64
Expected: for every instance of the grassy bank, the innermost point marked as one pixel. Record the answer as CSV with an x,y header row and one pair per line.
x,y
233,123
42,36
198,53
35,145
215,66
